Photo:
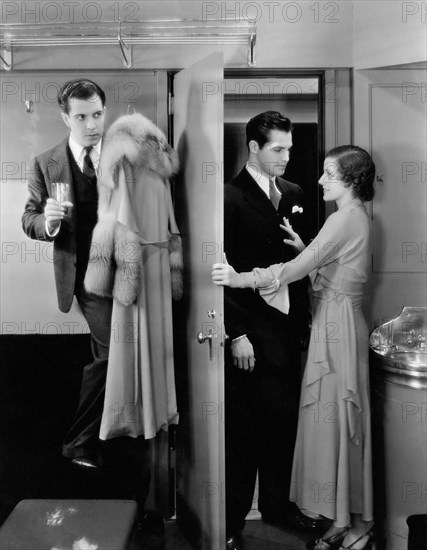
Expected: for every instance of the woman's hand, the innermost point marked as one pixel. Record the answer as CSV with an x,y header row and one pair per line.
x,y
294,240
225,275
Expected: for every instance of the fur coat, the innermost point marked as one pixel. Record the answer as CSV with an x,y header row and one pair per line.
x,y
131,142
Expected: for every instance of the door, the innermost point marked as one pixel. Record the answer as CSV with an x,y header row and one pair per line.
x,y
198,138
391,123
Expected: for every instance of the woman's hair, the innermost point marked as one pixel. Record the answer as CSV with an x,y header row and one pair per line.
x,y
356,168
259,126
80,88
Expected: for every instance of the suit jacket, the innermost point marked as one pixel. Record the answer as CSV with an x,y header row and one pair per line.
x,y
49,167
253,238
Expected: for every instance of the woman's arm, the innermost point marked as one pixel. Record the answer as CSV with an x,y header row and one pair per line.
x,y
226,275
326,247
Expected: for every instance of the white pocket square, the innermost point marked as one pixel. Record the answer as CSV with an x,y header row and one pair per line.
x,y
297,209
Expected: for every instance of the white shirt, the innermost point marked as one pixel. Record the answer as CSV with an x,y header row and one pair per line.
x,y
78,152
262,179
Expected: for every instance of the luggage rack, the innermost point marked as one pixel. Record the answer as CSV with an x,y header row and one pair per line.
x,y
125,34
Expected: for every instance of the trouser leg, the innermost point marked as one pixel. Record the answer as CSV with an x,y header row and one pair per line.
x,y
82,437
278,424
241,446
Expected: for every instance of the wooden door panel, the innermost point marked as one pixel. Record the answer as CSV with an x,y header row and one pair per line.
x,y
198,137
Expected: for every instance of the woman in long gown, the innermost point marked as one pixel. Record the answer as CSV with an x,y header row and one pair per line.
x,y
332,472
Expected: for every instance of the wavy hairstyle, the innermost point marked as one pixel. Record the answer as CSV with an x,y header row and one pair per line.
x,y
356,168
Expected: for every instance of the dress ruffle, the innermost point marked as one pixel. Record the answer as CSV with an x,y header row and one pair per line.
x,y
340,307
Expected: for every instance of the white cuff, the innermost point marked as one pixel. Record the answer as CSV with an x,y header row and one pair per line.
x,y
239,338
55,233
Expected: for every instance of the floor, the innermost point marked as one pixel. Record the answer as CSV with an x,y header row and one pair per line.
x,y
39,384
257,536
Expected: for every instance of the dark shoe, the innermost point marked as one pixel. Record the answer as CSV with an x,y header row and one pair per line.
x,y
152,522
86,462
297,520
234,542
328,543
151,533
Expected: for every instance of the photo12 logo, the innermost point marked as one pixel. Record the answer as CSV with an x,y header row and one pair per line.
x,y
414,90
69,12
272,11
414,11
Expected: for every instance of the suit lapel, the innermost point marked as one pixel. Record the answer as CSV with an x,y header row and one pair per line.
x,y
256,197
58,165
288,198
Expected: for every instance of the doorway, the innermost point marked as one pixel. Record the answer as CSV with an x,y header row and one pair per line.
x,y
296,96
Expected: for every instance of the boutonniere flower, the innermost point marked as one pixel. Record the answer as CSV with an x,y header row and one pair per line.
x,y
297,208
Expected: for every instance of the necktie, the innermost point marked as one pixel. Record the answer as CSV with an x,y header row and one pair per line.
x,y
88,168
274,195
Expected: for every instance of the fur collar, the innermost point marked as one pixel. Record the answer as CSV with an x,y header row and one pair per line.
x,y
135,140
142,143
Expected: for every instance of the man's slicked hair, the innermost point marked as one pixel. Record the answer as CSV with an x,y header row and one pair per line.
x,y
259,126
80,88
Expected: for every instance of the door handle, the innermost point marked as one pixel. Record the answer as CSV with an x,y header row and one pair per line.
x,y
202,337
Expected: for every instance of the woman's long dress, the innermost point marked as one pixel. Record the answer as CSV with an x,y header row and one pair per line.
x,y
140,388
332,460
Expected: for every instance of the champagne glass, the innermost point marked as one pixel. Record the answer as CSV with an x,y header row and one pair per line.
x,y
62,193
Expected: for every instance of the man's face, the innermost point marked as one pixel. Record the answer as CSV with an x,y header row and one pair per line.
x,y
85,120
274,156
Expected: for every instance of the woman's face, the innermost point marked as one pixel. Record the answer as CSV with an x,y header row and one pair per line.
x,y
333,187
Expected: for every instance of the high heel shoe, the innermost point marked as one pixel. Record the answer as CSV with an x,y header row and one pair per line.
x,y
334,541
369,543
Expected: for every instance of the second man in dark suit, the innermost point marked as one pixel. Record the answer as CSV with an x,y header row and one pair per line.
x,y
262,377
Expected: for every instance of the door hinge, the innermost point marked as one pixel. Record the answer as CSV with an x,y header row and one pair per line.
x,y
170,104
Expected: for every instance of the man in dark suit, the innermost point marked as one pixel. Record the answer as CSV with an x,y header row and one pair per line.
x,y
262,378
69,225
